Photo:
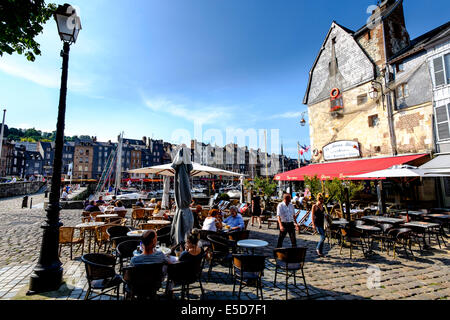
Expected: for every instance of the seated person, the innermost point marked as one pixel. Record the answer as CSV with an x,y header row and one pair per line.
x,y
64,195
152,203
158,210
211,223
92,207
113,201
235,220
119,206
139,203
193,251
100,201
197,216
150,255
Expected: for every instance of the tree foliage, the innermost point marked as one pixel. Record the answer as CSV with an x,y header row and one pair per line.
x,y
21,21
265,187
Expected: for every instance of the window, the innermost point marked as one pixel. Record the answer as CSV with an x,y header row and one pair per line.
x,y
400,67
441,67
374,121
402,91
362,99
442,122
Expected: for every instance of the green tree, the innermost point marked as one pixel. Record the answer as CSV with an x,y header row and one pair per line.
x,y
21,21
263,186
314,185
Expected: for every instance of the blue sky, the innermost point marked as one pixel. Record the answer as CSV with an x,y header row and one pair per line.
x,y
152,67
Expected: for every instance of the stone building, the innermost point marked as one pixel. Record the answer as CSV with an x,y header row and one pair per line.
x,y
359,106
83,160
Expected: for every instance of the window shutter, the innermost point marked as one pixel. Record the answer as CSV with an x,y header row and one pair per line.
x,y
439,78
441,114
447,67
443,131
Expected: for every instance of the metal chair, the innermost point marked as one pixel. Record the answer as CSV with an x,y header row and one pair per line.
x,y
247,270
125,251
143,281
186,273
221,253
101,274
290,260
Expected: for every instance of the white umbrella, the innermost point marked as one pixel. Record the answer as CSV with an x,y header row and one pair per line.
x,y
165,197
197,171
403,171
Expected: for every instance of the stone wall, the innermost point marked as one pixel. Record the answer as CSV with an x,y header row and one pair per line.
x,y
352,125
19,188
414,129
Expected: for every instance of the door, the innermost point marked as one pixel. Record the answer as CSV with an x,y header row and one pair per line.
x,y
446,191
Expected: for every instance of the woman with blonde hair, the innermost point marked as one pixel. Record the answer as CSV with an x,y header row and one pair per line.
x,y
158,208
318,218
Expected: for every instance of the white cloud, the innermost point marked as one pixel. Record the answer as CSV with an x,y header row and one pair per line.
x,y
194,112
287,115
39,75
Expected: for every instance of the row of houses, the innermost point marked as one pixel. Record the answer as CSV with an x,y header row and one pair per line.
x,y
88,158
377,93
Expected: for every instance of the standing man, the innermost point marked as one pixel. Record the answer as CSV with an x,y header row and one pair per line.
x,y
286,220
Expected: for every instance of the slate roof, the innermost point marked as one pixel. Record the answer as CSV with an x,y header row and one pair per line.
x,y
419,43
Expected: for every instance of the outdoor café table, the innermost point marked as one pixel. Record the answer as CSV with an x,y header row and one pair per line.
x,y
367,232
380,219
445,218
107,216
90,227
424,226
252,244
340,222
136,233
159,223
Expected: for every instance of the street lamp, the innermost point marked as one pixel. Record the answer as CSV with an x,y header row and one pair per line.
x,y
303,120
47,275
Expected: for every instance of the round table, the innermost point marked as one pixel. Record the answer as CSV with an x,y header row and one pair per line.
x,y
164,250
252,244
159,222
367,231
107,216
90,227
136,233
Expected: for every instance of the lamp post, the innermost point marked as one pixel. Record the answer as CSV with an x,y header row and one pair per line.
x,y
47,275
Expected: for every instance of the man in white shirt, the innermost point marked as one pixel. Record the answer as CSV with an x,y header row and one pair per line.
x,y
287,221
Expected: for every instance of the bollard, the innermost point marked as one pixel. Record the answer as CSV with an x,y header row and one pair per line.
x,y
46,194
25,202
31,203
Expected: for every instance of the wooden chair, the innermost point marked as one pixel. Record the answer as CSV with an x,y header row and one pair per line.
x,y
246,221
137,215
85,216
121,213
148,226
101,236
66,238
290,260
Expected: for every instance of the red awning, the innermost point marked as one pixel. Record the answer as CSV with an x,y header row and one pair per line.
x,y
343,169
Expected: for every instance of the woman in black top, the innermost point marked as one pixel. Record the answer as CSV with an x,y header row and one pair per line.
x,y
256,210
318,218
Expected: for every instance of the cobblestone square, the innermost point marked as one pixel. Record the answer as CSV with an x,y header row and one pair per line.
x,y
334,277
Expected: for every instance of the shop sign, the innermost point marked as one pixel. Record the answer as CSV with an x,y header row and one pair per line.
x,y
341,150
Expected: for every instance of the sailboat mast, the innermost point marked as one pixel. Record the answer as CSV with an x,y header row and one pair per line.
x,y
119,165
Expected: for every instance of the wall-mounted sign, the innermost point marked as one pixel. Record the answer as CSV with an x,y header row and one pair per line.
x,y
341,150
